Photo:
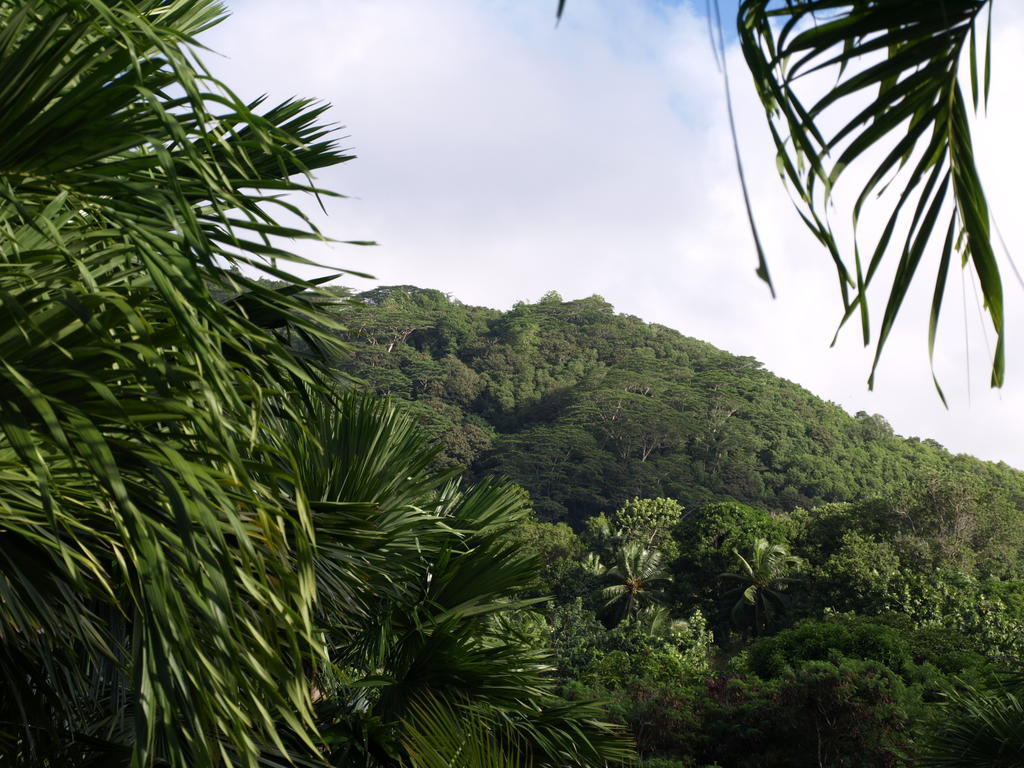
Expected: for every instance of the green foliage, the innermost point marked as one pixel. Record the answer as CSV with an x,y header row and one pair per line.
x,y
850,713
559,552
662,714
859,575
438,736
635,581
587,409
156,586
987,611
909,111
762,581
829,640
708,540
822,529
961,523
977,728
710,537
650,522
653,685
421,602
208,557
610,423
577,637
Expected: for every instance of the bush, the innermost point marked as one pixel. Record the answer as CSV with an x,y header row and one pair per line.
x,y
830,640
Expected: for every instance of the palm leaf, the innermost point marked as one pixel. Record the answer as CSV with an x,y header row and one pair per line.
x,y
896,64
414,576
436,735
979,728
169,591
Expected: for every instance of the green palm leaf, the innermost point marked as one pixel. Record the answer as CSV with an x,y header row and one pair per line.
x,y
980,728
157,592
762,579
413,575
896,64
637,577
436,735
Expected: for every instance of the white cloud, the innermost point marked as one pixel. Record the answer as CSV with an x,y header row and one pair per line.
x,y
500,158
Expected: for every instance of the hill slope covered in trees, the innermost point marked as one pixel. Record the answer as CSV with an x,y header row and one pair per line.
x,y
586,408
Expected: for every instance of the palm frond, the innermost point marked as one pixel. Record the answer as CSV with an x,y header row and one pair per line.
x,y
896,66
980,728
414,575
170,588
436,735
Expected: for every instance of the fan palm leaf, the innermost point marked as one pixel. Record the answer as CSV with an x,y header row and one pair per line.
x,y
436,735
981,729
413,573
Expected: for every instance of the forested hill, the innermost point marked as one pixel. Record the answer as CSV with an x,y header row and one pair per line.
x,y
586,408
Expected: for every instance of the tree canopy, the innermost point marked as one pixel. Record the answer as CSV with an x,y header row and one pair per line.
x,y
587,409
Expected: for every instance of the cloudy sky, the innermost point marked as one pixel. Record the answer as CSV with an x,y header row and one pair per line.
x,y
500,158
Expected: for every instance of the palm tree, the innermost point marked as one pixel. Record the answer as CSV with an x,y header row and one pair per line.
x,y
638,578
414,576
657,622
763,579
201,562
156,592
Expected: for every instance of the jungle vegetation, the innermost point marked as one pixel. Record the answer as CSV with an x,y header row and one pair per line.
x,y
210,554
249,520
586,408
748,574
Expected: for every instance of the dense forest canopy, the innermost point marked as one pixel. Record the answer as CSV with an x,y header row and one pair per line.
x,y
586,408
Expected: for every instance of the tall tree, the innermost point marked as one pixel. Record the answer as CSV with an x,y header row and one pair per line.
x,y
637,579
762,581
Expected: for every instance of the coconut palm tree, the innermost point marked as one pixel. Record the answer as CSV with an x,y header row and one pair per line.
x,y
762,581
637,580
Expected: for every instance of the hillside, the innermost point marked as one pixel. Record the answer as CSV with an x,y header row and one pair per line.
x,y
586,408
750,576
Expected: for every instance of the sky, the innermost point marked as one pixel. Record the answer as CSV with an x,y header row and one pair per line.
x,y
500,157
